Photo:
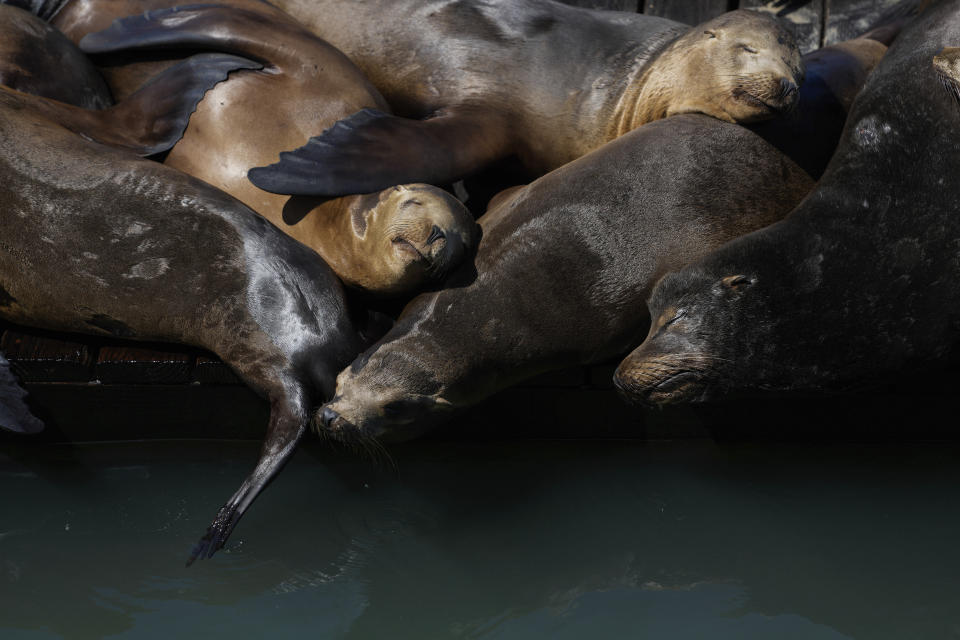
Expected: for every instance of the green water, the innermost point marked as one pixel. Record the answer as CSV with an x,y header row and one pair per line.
x,y
521,540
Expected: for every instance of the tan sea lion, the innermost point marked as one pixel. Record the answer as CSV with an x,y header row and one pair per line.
x,y
539,79
388,243
36,58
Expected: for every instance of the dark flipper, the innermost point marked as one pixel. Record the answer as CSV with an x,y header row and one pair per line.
x,y
158,113
154,118
14,414
371,150
194,26
283,435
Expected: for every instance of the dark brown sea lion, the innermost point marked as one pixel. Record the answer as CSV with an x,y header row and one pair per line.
x,y
560,264
36,58
859,283
388,243
540,79
97,240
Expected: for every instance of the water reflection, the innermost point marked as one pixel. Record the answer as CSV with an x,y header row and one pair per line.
x,y
520,540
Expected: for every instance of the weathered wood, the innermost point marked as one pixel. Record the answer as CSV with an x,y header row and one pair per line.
x,y
212,371
133,365
615,5
37,359
805,16
847,19
687,11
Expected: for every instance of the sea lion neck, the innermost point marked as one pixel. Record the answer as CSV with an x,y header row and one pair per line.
x,y
635,86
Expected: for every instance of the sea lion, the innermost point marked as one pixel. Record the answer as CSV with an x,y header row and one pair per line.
x,y
36,58
540,79
393,242
97,240
561,262
857,284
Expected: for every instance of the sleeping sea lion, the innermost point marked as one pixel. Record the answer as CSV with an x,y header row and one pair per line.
x,y
97,240
560,264
388,243
540,79
859,283
36,58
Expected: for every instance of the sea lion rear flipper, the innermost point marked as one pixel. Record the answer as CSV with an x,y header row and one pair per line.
x,y
154,118
371,150
283,435
14,413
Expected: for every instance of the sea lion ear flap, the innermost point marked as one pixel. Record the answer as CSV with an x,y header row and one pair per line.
x,y
14,413
372,150
737,282
947,65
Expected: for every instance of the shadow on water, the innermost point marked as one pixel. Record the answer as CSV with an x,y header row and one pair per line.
x,y
527,539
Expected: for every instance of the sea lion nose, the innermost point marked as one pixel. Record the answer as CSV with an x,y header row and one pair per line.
x,y
435,234
788,89
327,416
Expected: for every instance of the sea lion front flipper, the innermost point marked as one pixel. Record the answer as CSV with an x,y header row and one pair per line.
x,y
371,150
947,65
14,413
259,35
154,118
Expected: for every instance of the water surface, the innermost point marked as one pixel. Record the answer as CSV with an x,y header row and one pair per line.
x,y
613,539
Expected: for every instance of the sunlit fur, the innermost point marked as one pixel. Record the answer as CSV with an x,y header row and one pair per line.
x,y
739,67
414,234
947,65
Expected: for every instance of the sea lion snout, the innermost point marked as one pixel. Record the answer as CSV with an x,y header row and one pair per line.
x,y
658,379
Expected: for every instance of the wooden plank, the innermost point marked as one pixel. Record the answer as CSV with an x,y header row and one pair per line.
x,y
212,371
615,5
687,11
38,359
848,19
805,16
132,365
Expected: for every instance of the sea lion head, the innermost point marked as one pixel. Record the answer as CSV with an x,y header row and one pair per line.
x,y
393,392
687,355
742,66
412,235
947,65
